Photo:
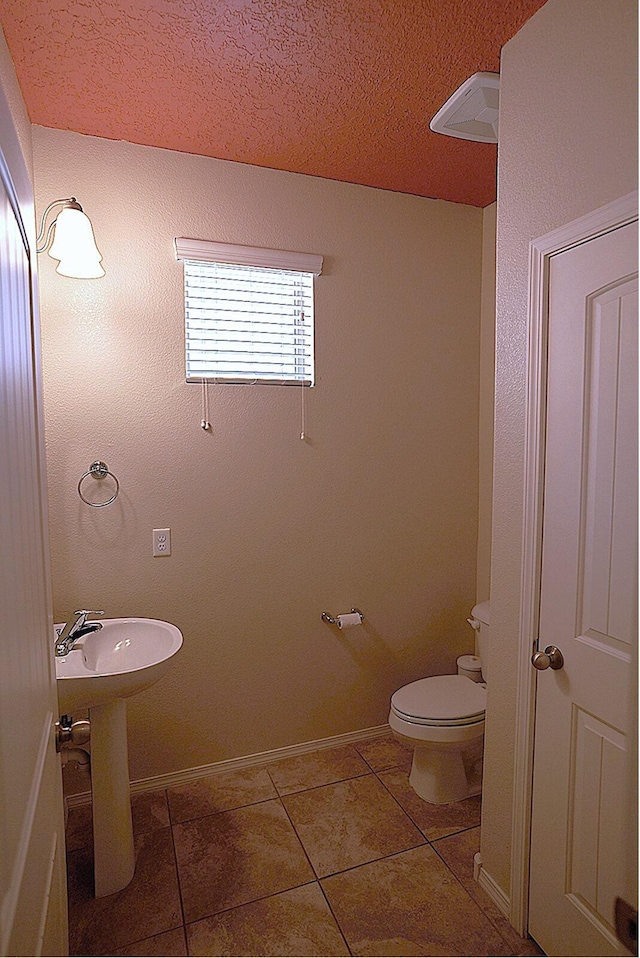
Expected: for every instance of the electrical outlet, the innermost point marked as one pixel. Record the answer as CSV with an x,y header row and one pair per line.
x,y
162,542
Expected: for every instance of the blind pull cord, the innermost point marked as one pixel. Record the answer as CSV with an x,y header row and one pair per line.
x,y
302,411
206,425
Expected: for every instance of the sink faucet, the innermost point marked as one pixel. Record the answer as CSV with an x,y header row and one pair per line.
x,y
75,628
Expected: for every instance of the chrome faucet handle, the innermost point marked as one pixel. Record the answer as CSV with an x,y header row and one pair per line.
x,y
82,618
84,613
76,627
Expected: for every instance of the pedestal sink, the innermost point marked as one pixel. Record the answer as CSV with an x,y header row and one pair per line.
x,y
102,670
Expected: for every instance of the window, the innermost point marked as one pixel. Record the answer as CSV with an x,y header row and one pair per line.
x,y
248,313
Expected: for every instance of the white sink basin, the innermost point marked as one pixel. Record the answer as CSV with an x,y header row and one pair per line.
x,y
100,672
124,657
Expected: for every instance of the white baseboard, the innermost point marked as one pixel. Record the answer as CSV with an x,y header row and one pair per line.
x,y
246,761
494,891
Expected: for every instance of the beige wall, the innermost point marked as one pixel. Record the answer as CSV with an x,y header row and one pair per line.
x,y
378,509
487,375
568,136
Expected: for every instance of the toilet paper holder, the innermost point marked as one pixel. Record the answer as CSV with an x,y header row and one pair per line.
x,y
337,619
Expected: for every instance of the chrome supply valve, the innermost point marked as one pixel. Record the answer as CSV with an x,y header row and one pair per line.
x,y
70,733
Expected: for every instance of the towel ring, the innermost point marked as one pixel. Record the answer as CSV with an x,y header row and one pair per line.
x,y
99,470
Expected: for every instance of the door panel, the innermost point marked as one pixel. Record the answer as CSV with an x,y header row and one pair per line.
x,y
32,860
588,601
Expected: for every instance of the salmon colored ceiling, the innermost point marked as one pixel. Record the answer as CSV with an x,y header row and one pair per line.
x,y
342,89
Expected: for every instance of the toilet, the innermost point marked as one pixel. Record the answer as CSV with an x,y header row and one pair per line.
x,y
442,719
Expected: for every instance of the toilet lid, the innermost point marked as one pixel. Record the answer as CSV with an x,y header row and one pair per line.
x,y
441,700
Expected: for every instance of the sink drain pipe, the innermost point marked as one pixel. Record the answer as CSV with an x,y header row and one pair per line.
x,y
76,754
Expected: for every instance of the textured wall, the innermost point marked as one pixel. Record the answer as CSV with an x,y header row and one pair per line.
x,y
378,509
568,144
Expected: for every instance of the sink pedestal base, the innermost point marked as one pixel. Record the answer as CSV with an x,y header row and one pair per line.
x,y
113,851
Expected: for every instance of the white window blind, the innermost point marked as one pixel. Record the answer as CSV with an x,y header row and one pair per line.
x,y
246,321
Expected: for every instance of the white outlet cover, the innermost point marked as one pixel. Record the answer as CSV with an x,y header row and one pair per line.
x,y
162,542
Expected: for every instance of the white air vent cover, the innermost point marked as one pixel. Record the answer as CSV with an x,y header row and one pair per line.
x,y
471,113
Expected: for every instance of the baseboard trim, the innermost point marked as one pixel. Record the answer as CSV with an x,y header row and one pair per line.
x,y
494,891
187,775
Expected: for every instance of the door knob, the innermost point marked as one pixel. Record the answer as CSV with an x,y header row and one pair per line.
x,y
551,658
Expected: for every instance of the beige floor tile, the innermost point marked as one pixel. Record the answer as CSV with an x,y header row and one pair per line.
x,y
296,922
317,768
79,830
219,792
435,821
531,950
149,905
410,904
385,752
149,810
237,856
349,823
170,944
457,851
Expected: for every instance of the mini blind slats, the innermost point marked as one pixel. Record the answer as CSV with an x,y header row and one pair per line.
x,y
247,323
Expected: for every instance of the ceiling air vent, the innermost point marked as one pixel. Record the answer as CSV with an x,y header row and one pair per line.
x,y
471,113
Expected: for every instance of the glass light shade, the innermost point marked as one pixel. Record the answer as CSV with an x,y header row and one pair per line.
x,y
78,268
75,247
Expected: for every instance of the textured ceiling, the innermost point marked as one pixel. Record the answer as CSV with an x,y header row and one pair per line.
x,y
342,89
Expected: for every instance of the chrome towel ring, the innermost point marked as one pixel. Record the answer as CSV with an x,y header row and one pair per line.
x,y
99,470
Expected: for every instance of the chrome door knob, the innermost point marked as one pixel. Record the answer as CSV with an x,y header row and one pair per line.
x,y
551,658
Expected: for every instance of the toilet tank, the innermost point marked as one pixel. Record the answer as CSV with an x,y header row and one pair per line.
x,y
482,613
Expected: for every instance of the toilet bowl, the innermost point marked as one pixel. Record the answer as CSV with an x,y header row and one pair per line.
x,y
442,719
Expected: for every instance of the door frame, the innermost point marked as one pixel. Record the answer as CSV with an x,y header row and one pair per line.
x,y
618,213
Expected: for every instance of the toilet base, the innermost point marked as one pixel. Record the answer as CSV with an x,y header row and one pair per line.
x,y
447,759
444,772
442,776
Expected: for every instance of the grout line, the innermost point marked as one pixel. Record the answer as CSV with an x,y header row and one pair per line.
x,y
175,859
226,811
309,788
128,944
458,831
335,918
478,904
337,781
313,880
400,805
221,811
295,832
372,861
341,871
251,901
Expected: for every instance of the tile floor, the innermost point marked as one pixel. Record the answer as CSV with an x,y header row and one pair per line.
x,y
329,853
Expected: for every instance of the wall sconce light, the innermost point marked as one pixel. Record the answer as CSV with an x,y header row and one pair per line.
x,y
73,243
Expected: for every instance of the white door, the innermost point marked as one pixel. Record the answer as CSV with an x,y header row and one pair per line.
x,y
32,855
583,789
